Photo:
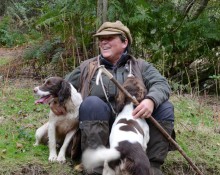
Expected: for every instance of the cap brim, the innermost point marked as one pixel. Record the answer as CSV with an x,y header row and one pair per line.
x,y
103,33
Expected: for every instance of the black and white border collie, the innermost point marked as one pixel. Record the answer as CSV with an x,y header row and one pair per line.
x,y
60,129
128,139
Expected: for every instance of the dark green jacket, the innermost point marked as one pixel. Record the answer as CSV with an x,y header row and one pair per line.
x,y
157,86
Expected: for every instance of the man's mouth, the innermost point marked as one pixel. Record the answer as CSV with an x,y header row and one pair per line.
x,y
106,48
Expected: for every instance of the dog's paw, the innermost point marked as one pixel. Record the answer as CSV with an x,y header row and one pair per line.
x,y
61,159
52,158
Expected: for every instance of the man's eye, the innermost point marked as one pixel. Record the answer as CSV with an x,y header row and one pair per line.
x,y
109,38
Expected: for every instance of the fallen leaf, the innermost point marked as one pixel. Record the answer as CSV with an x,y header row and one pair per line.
x,y
19,145
29,125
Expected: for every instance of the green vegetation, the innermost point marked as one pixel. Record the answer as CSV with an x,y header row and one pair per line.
x,y
10,36
181,38
196,130
4,61
197,133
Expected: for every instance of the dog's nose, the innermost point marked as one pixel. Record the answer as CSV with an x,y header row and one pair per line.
x,y
35,90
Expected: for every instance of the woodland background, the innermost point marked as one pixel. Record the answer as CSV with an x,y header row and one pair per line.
x,y
180,37
44,38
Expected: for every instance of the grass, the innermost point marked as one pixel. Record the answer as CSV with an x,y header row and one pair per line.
x,y
19,118
4,61
196,134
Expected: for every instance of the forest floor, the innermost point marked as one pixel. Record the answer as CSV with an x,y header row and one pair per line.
x,y
11,53
197,127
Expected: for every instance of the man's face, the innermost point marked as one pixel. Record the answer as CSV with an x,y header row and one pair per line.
x,y
112,47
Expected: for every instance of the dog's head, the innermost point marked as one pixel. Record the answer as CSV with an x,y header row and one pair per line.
x,y
53,87
135,87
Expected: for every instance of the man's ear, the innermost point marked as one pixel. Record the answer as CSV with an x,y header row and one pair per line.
x,y
125,43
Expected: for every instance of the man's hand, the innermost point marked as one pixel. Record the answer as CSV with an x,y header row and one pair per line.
x,y
57,108
144,109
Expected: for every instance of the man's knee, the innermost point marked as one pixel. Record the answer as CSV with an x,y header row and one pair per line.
x,y
93,108
164,112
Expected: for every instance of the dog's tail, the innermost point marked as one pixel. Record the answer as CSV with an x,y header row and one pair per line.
x,y
93,158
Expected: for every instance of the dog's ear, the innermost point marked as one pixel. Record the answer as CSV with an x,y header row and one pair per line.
x,y
136,88
65,92
141,91
120,101
140,94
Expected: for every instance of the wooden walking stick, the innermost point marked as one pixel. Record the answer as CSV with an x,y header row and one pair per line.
x,y
102,69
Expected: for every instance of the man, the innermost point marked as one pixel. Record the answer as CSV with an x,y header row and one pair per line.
x,y
97,111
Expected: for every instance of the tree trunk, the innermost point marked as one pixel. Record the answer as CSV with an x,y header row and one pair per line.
x,y
2,7
102,6
105,8
203,4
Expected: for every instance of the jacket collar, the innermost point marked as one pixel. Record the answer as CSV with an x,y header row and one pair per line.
x,y
122,61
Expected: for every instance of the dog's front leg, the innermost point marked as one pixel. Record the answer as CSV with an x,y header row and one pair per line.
x,y
52,142
61,156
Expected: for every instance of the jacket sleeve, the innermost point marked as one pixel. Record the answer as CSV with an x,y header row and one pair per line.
x,y
157,85
74,77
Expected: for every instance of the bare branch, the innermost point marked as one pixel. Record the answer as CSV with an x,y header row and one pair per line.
x,y
189,4
186,10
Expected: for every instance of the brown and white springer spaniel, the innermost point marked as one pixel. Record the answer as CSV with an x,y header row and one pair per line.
x,y
60,129
128,139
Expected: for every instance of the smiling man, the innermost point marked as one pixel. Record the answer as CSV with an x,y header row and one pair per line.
x,y
98,109
112,47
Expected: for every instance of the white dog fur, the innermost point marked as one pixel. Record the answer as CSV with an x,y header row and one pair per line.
x,y
58,91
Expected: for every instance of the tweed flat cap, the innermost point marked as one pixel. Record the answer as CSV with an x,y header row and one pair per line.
x,y
114,28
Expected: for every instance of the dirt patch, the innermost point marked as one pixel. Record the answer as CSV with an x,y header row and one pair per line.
x,y
183,168
30,170
11,61
12,52
14,66
22,82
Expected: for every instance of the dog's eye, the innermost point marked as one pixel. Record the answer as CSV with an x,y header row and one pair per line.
x,y
48,83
